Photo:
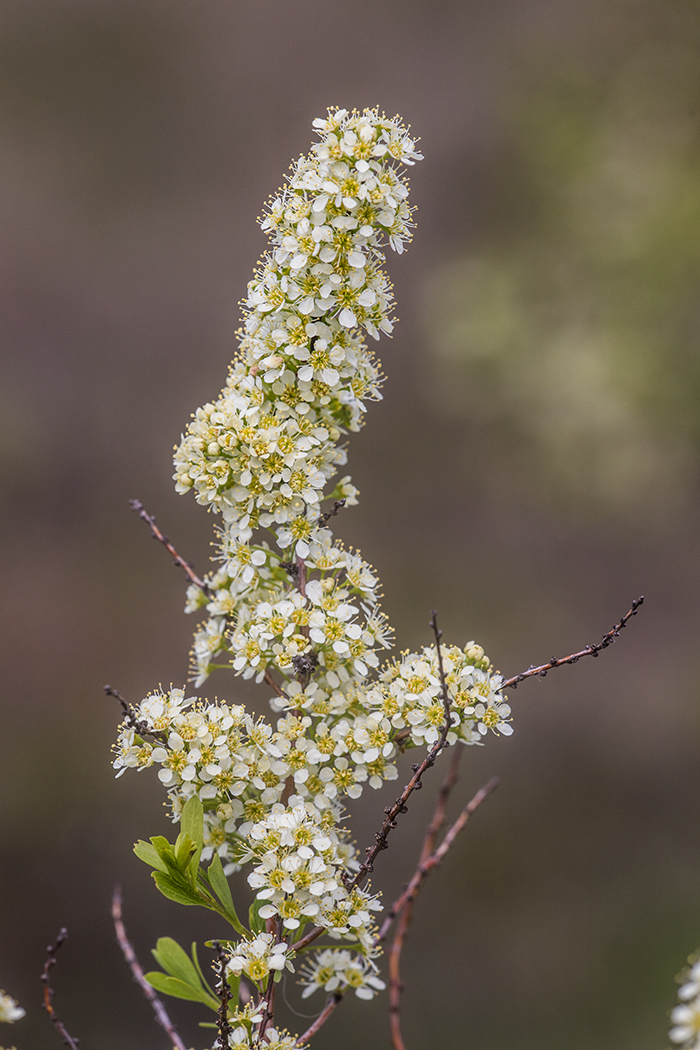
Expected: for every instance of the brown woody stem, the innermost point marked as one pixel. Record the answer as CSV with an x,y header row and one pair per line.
x,y
192,576
589,650
51,952
135,967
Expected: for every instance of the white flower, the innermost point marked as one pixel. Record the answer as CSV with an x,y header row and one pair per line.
x,y
336,969
9,1010
258,956
686,1016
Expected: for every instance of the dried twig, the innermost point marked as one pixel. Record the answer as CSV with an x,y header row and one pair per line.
x,y
223,990
431,834
51,951
135,967
192,576
589,650
427,864
267,677
131,718
404,907
321,1019
324,518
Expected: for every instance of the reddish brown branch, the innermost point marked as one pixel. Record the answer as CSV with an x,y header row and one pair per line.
x,y
438,820
51,952
192,576
273,685
589,650
427,864
431,835
404,905
130,956
321,1019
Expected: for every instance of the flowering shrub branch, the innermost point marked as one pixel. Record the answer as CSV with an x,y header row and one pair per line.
x,y
292,608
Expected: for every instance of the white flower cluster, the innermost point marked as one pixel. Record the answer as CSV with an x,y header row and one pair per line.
x,y
9,1010
262,453
245,1031
300,872
287,603
258,956
412,694
686,1016
337,970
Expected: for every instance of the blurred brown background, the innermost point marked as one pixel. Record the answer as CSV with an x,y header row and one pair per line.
x,y
535,465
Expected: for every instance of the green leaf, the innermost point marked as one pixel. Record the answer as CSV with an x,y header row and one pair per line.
x,y
175,961
149,855
234,983
192,821
257,925
195,960
179,989
177,889
164,850
185,850
219,883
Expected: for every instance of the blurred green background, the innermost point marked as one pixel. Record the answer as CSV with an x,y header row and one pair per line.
x,y
535,465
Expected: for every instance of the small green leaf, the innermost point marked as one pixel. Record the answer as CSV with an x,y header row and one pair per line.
x,y
256,924
180,990
149,855
234,983
175,961
164,850
195,960
177,889
219,883
185,849
192,821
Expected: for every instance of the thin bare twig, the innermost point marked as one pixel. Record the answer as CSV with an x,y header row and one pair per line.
x,y
131,718
325,518
135,967
589,650
223,990
192,576
273,685
404,907
431,834
427,864
438,820
51,951
395,985
321,1019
